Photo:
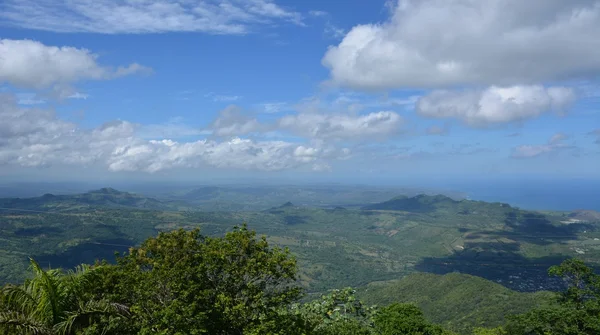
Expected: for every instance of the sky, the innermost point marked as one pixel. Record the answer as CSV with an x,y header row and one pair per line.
x,y
307,90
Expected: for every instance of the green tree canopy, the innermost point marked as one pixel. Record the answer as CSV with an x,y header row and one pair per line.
x,y
53,302
578,312
185,283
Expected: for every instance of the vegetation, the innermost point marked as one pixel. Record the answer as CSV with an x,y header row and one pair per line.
x,y
456,301
53,302
186,283
368,247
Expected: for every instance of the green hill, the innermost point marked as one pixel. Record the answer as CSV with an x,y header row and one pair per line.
x,y
458,301
105,197
436,203
420,203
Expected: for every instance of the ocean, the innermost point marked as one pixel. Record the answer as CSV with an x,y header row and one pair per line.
x,y
560,195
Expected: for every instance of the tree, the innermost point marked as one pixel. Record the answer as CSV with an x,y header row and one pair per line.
x,y
53,302
489,331
185,283
583,285
404,319
578,311
338,313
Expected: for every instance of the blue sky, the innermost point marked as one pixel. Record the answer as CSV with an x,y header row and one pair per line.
x,y
323,90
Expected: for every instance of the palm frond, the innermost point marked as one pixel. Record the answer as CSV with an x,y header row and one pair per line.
x,y
46,287
17,298
20,323
89,312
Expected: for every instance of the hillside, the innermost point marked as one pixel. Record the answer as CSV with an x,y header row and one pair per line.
x,y
335,247
105,197
458,301
261,197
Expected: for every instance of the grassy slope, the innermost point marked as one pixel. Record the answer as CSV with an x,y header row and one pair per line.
x,y
458,301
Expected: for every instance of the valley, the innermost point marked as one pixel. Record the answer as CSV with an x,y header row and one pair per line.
x,y
336,246
431,250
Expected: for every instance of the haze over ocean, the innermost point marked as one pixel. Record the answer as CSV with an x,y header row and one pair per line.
x,y
539,194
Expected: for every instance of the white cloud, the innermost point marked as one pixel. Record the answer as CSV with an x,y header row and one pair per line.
x,y
172,129
29,99
236,153
222,98
145,16
36,138
232,122
555,143
79,95
333,31
495,105
557,138
340,126
443,43
321,167
273,107
318,13
31,64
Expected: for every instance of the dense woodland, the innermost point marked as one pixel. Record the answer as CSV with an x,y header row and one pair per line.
x,y
183,282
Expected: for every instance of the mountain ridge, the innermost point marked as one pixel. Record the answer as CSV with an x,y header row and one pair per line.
x,y
103,197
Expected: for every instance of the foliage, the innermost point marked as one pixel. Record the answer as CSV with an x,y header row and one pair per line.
x,y
579,309
489,331
583,285
185,283
335,247
339,312
404,319
55,303
456,301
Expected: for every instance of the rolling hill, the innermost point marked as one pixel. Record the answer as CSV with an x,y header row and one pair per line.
x,y
457,301
335,246
105,197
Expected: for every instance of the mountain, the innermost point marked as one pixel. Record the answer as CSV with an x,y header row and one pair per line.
x,y
105,197
419,203
430,203
335,247
584,215
458,301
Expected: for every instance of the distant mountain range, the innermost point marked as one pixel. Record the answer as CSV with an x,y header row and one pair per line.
x,y
105,197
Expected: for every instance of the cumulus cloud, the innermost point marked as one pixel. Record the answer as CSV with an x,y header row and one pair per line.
x,y
557,138
174,128
341,126
555,143
31,64
232,122
495,105
29,99
35,137
273,107
147,16
495,42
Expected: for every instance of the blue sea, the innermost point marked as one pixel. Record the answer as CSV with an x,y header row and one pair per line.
x,y
562,195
